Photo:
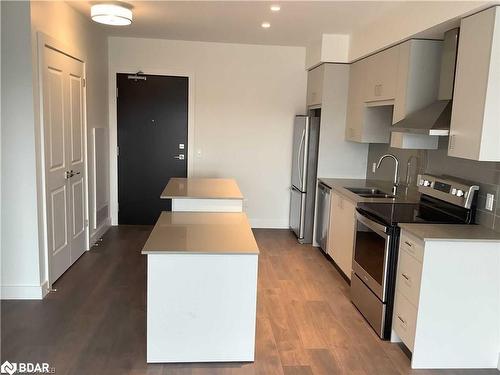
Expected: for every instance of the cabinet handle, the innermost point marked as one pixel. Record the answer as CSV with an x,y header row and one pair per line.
x,y
405,276
402,320
408,243
452,142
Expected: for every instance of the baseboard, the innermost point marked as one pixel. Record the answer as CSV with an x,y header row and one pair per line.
x,y
24,291
268,223
100,231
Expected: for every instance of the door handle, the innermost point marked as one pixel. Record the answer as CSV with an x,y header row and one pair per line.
x,y
69,174
179,157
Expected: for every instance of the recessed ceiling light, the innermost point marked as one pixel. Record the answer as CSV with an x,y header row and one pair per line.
x,y
266,25
111,14
275,8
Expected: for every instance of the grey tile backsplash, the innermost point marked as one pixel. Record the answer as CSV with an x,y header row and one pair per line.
x,y
484,174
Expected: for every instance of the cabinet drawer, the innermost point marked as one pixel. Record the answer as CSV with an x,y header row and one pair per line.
x,y
404,320
409,275
413,246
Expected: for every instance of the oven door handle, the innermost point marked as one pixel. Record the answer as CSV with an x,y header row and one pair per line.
x,y
377,227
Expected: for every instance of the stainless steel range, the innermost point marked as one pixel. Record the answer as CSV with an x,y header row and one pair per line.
x,y
443,200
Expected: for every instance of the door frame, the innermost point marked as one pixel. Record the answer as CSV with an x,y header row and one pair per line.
x,y
113,125
44,40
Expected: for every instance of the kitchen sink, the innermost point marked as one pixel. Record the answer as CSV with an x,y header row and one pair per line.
x,y
369,192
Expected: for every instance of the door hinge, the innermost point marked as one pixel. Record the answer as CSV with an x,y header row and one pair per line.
x,y
86,223
84,82
117,150
117,92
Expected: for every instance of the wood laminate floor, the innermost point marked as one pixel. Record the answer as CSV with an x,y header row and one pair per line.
x,y
95,323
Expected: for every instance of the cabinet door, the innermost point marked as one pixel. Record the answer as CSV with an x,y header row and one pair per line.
x,y
315,85
415,89
474,131
355,102
342,233
334,215
382,73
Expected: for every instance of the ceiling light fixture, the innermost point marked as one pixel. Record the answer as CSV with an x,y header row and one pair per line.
x,y
266,25
275,8
111,14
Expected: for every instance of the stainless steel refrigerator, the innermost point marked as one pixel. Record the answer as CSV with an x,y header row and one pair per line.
x,y
304,166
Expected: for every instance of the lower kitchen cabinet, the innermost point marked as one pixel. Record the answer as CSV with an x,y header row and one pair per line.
x,y
341,232
446,305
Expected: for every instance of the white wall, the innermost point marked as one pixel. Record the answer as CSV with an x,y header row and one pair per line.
x,y
245,100
19,241
24,257
333,48
407,20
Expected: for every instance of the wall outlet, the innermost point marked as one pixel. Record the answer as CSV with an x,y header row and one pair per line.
x,y
489,202
374,167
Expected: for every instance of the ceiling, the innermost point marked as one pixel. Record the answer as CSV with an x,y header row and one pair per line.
x,y
298,23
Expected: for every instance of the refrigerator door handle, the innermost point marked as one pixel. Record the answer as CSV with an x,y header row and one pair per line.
x,y
298,157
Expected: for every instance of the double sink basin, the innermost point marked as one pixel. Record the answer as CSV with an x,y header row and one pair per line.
x,y
368,192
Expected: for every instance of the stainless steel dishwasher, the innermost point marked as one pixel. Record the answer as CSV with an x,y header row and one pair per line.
x,y
323,215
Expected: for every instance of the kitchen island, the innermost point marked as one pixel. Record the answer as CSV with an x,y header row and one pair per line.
x,y
204,194
201,288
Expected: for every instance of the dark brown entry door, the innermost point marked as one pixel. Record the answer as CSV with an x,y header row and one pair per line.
x,y
152,136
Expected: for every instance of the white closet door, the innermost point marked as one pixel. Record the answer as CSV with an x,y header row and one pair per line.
x,y
63,123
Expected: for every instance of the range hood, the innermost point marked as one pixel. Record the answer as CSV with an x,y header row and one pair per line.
x,y
434,120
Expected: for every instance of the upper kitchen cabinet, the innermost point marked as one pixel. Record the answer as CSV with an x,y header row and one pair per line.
x,y
418,76
381,75
364,123
387,86
475,124
315,85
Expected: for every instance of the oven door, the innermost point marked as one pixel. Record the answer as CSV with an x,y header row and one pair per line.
x,y
371,253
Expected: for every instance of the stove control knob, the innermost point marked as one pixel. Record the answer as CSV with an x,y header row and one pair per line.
x,y
427,183
460,193
453,191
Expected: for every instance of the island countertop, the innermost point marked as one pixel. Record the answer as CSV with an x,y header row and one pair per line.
x,y
201,233
202,188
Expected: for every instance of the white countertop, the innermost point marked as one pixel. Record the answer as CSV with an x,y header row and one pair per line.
x,y
451,232
202,188
201,233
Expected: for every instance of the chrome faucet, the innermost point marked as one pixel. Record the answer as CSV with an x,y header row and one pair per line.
x,y
408,165
396,170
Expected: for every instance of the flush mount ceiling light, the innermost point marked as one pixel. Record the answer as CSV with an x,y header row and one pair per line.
x,y
266,25
275,8
111,14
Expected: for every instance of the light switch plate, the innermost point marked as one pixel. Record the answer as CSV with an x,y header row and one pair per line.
x,y
489,202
